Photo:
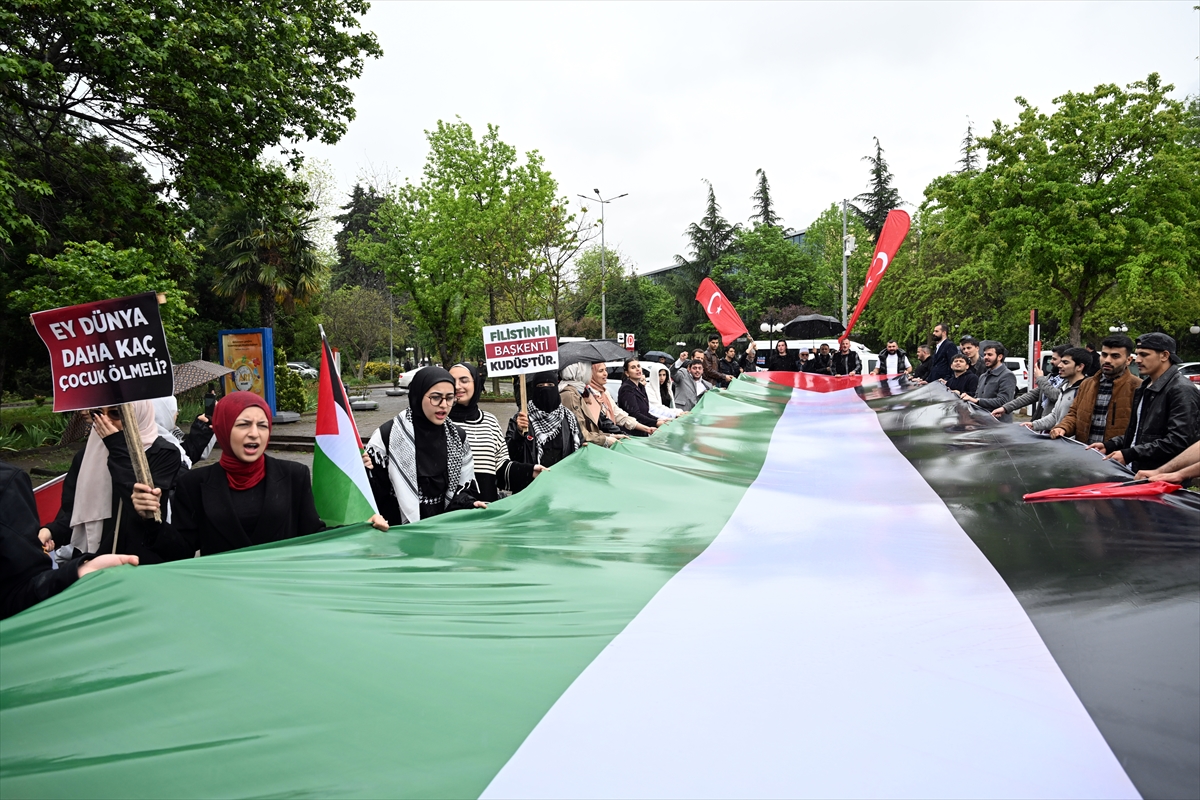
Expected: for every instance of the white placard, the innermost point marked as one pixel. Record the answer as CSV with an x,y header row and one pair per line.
x,y
517,348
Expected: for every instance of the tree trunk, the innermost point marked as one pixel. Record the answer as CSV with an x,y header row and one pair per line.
x,y
492,321
266,310
1076,334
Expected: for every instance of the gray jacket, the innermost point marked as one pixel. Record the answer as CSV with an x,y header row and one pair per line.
x,y
997,386
1066,396
1044,389
685,390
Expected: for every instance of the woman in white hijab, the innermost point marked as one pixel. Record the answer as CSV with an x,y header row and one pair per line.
x,y
97,514
196,444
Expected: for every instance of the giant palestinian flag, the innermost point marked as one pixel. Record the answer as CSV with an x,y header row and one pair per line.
x,y
810,590
340,487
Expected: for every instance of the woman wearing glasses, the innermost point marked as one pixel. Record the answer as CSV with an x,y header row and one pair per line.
x,y
97,514
419,463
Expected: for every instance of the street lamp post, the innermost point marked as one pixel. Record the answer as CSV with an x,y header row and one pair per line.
x,y
603,298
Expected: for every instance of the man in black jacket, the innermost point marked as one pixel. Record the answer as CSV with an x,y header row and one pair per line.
x,y
845,360
943,351
27,573
1166,410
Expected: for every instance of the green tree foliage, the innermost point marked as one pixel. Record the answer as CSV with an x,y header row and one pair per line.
x,y
764,206
357,321
203,86
873,205
640,306
970,151
708,240
350,270
267,254
764,269
823,242
467,241
586,298
91,271
1098,197
289,386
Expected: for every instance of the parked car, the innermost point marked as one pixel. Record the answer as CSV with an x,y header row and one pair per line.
x,y
304,368
406,377
1018,368
1191,371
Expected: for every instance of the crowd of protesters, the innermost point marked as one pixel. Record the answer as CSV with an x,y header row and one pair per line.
x,y
443,453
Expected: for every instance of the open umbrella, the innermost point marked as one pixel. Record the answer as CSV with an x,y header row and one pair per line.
x,y
654,355
591,352
196,373
813,326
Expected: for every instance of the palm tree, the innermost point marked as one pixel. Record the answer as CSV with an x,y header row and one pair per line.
x,y
270,256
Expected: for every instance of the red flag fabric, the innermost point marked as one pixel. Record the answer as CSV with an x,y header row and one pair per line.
x,y
1104,491
895,228
720,311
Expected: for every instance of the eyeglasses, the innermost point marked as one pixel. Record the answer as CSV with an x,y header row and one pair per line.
x,y
440,399
111,413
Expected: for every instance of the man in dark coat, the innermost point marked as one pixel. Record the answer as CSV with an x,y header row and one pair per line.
x,y
1166,410
997,385
943,351
27,572
845,360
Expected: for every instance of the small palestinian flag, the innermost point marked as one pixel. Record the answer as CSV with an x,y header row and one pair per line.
x,y
340,486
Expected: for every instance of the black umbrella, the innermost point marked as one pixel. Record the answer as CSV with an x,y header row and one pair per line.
x,y
591,352
654,355
813,326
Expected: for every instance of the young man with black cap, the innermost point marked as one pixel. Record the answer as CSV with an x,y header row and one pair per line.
x,y
1166,410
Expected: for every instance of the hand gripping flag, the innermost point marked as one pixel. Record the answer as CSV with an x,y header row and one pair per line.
x,y
895,228
340,486
720,311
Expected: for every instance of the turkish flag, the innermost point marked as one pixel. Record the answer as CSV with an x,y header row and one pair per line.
x,y
895,228
720,312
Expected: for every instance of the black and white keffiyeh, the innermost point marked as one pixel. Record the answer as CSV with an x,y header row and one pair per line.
x,y
548,425
399,456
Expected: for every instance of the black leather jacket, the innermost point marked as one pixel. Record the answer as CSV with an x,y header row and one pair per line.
x,y
1164,422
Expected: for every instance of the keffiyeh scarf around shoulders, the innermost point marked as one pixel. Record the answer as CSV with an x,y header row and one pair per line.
x,y
399,455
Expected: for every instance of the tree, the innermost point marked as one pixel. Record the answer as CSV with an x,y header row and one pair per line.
x,y
708,240
823,242
267,255
764,207
204,87
92,271
350,270
763,268
420,257
358,320
1099,195
590,280
970,158
564,235
872,206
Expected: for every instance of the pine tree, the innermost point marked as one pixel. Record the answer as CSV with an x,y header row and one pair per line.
x,y
351,270
708,240
872,206
764,207
970,158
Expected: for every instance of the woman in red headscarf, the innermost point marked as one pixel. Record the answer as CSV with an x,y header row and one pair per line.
x,y
245,499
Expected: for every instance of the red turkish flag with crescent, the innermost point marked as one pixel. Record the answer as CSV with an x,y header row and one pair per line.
x,y
895,228
720,311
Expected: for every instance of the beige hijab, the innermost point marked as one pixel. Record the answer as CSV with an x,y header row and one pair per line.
x,y
93,487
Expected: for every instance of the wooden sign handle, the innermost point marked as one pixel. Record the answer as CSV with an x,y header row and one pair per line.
x,y
522,399
137,454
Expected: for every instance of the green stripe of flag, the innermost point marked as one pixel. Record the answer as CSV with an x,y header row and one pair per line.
x,y
410,663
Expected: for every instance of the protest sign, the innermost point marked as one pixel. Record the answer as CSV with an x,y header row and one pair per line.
x,y
520,347
106,353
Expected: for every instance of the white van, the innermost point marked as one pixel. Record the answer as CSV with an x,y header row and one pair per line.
x,y
867,357
1020,372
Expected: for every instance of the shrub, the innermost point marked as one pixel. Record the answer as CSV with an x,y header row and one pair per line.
x,y
289,386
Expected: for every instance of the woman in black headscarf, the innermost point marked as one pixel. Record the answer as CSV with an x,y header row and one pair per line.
x,y
420,465
494,469
548,432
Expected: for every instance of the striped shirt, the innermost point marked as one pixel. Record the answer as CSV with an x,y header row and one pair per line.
x,y
490,452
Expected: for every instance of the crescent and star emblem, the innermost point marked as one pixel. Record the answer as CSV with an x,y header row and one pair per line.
x,y
715,296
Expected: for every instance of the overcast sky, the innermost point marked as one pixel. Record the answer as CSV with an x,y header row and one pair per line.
x,y
650,98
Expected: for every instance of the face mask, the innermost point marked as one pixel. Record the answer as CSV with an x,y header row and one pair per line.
x,y
546,398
